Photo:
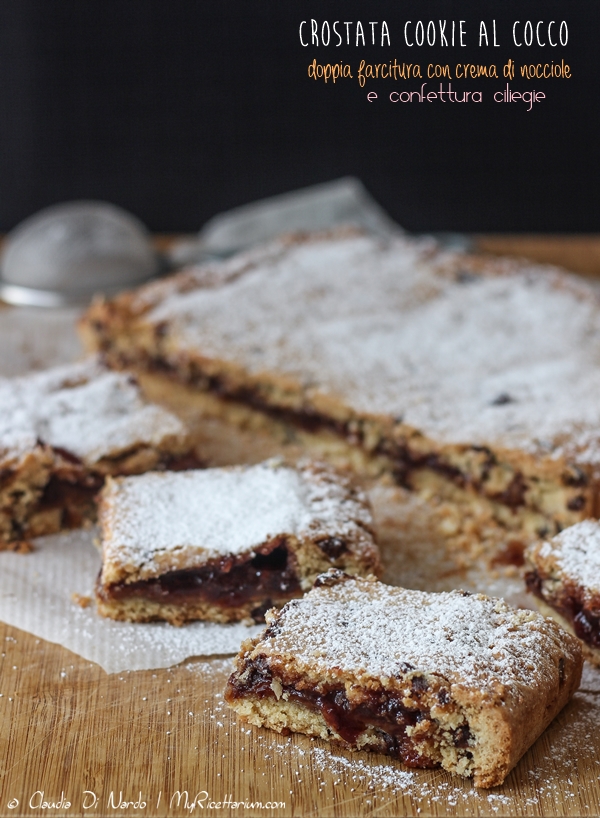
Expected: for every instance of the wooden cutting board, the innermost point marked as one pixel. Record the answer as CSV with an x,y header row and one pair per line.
x,y
76,741
69,731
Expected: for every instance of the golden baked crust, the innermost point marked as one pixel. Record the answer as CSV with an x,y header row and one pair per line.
x,y
563,574
453,680
226,544
62,431
463,378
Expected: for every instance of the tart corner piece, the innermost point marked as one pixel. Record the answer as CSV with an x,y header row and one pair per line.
x,y
563,574
453,680
62,431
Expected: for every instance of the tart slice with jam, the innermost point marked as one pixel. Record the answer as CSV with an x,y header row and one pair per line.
x,y
453,680
227,544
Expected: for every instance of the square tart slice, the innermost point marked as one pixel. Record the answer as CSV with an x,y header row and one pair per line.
x,y
62,431
227,544
452,680
563,574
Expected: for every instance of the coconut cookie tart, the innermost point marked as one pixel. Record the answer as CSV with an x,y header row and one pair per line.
x,y
463,378
451,680
226,544
62,432
563,574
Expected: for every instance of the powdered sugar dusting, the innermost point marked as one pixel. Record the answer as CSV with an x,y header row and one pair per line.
x,y
214,512
576,551
468,639
543,782
507,359
82,408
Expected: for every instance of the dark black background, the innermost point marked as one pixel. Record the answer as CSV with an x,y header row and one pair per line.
x,y
178,109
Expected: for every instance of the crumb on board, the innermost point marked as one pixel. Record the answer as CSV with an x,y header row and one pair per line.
x,y
81,600
22,547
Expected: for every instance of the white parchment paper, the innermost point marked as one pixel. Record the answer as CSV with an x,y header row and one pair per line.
x,y
33,338
37,595
36,589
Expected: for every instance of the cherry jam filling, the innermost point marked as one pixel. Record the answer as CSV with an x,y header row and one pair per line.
x,y
268,575
585,623
405,461
75,490
386,714
76,500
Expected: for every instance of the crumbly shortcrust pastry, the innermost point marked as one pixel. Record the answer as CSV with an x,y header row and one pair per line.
x,y
227,544
468,379
563,574
453,680
62,431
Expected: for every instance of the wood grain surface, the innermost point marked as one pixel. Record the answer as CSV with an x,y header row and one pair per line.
x,y
76,741
579,253
70,731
